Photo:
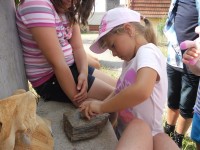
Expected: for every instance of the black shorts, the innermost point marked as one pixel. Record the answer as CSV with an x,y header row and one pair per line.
x,y
51,90
182,91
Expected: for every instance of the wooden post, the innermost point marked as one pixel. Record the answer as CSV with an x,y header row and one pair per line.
x,y
12,73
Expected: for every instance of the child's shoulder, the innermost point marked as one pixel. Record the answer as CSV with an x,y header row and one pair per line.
x,y
150,50
35,3
149,47
31,6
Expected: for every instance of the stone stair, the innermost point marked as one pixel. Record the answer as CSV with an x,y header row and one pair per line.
x,y
53,111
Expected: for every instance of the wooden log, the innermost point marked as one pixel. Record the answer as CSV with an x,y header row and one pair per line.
x,y
78,128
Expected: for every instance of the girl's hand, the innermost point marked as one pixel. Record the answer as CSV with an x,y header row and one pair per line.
x,y
189,55
82,87
91,108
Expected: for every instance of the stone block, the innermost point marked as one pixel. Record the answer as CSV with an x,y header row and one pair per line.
x,y
79,128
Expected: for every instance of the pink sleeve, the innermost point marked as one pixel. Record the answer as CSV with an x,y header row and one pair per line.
x,y
37,13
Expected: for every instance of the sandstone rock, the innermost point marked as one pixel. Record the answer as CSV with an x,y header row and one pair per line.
x,y
78,128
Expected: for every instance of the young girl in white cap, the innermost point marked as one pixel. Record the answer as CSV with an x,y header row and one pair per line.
x,y
141,90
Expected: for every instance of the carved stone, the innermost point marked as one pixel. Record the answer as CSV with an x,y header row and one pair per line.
x,y
78,128
20,127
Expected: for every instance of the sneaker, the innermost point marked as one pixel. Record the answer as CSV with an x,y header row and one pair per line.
x,y
169,130
178,139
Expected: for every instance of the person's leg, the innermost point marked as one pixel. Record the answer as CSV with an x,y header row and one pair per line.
x,y
51,89
162,141
188,97
100,90
174,88
183,124
93,61
104,77
137,136
172,116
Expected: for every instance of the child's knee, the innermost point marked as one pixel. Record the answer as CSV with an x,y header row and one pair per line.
x,y
141,124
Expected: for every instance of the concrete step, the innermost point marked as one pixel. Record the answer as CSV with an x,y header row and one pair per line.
x,y
53,111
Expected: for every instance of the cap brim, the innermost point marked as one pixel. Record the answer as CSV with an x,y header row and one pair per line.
x,y
96,47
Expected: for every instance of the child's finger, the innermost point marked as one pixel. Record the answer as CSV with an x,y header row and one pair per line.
x,y
80,98
77,95
91,113
81,108
186,61
87,113
79,85
80,101
193,51
83,87
187,44
80,95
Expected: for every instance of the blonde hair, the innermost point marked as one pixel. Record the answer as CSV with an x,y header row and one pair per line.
x,y
147,31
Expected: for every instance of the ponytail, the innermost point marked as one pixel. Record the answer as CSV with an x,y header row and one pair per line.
x,y
147,30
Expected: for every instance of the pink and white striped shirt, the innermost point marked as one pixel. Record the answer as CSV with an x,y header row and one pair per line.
x,y
41,13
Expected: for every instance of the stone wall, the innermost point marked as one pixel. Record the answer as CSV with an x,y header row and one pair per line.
x,y
12,75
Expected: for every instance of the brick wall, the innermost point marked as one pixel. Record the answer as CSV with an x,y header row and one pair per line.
x,y
93,27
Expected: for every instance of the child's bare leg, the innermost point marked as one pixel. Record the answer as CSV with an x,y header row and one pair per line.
x,y
100,90
162,141
137,136
104,77
93,61
103,87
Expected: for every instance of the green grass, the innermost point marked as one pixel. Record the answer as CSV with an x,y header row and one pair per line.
x,y
111,72
188,144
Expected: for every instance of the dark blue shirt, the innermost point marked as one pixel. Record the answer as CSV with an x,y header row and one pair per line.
x,y
186,20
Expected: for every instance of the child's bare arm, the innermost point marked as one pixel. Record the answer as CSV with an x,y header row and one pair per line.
x,y
129,97
134,94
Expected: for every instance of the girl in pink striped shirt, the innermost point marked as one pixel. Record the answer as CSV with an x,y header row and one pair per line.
x,y
54,56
